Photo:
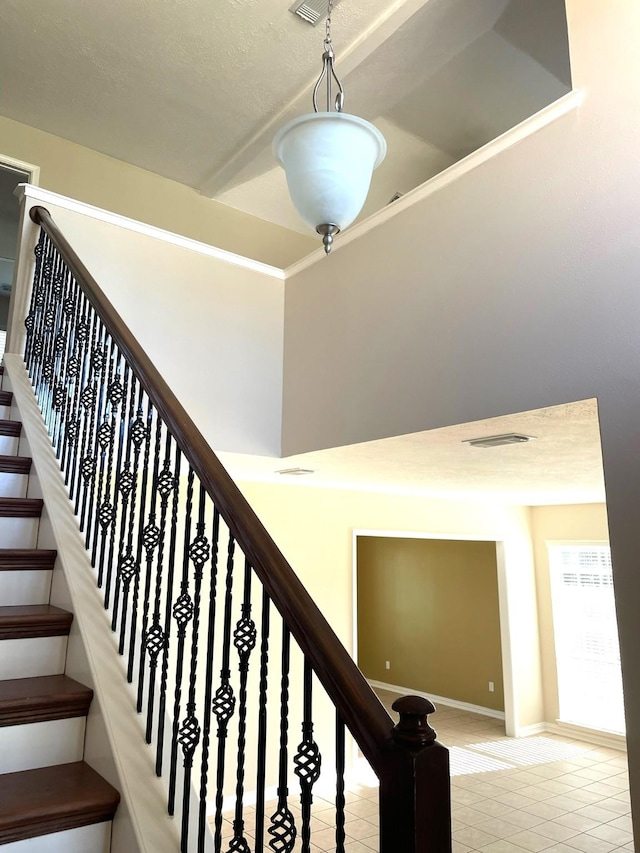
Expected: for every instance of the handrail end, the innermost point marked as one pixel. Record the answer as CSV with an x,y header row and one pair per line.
x,y
35,213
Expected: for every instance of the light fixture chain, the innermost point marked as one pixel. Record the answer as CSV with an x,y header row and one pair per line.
x,y
327,38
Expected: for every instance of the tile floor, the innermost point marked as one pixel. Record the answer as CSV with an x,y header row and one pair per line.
x,y
543,793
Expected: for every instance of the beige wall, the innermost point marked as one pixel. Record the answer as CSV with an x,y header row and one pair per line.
x,y
83,174
584,523
315,530
430,608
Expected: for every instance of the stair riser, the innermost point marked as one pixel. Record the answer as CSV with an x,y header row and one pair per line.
x,y
32,656
86,839
5,413
18,532
25,587
13,485
9,447
41,744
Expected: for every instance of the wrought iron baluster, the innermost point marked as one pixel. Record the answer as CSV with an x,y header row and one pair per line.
x,y
262,724
244,639
283,830
135,571
71,308
183,614
88,401
208,692
190,730
133,435
105,437
224,701
44,344
101,434
156,638
63,347
340,800
117,394
75,430
307,759
32,318
167,614
150,540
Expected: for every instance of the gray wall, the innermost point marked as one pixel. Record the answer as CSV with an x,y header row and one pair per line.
x,y
516,287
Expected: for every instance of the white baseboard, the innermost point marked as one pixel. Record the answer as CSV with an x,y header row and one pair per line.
x,y
601,738
438,700
534,729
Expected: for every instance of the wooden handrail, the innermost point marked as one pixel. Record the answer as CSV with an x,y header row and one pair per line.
x,y
358,706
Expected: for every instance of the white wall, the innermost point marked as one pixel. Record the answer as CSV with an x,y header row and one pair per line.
x,y
514,288
213,329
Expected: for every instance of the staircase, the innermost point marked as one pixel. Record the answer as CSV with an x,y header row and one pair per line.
x,y
199,623
50,799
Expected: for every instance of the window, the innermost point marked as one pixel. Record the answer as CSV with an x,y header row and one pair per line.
x,y
586,637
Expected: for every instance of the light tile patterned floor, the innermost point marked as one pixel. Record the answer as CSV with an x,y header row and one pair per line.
x,y
542,793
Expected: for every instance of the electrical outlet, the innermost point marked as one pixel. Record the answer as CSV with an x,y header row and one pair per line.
x,y
387,664
491,687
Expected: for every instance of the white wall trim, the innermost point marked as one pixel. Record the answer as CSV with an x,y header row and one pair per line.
x,y
571,101
438,700
143,792
613,740
530,731
30,168
36,194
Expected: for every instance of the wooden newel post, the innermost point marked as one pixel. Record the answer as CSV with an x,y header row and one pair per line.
x,y
415,790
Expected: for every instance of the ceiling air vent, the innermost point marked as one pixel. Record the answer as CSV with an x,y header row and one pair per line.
x,y
499,440
312,11
296,472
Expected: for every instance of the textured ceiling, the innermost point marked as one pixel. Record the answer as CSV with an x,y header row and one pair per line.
x,y
194,90
562,466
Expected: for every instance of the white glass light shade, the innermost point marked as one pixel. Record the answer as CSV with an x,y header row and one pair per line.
x,y
329,159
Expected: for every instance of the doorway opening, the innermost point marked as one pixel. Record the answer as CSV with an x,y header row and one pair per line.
x,y
429,619
11,174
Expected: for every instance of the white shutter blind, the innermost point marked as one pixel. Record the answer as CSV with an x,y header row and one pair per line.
x,y
586,637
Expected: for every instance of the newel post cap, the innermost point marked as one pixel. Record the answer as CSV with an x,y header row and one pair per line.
x,y
413,728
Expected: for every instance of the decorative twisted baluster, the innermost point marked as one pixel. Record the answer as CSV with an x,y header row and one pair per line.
x,y
283,830
96,435
307,759
141,432
152,641
183,614
262,723
167,613
117,394
244,640
224,701
208,681
190,730
156,636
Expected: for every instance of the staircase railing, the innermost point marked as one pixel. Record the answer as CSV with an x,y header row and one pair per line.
x,y
197,590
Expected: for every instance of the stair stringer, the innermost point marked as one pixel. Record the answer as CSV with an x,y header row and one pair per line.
x,y
141,823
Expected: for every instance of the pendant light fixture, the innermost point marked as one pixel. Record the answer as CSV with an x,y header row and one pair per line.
x,y
329,156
